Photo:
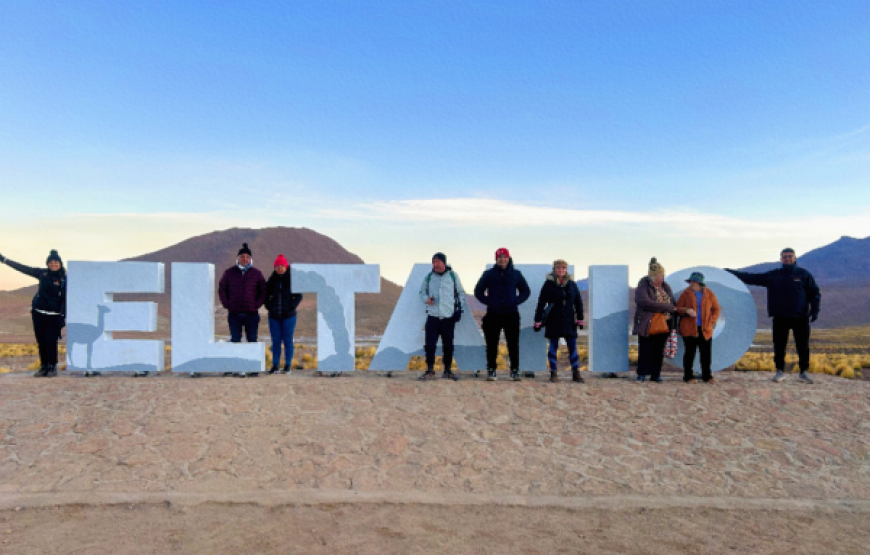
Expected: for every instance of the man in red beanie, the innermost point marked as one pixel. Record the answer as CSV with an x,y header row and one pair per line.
x,y
502,289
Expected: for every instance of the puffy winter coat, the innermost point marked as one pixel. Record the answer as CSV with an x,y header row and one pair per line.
x,y
791,291
709,312
281,301
647,306
567,307
242,291
502,291
51,295
441,287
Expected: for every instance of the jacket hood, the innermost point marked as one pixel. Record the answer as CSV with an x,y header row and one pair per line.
x,y
552,277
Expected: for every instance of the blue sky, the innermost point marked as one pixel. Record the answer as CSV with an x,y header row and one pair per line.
x,y
601,132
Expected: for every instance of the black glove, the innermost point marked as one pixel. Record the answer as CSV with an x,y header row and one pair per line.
x,y
2,259
814,316
537,328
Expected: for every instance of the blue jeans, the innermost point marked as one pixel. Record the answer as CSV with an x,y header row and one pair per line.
x,y
282,332
572,352
250,321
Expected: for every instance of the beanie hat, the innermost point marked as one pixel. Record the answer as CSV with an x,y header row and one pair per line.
x,y
244,250
655,268
502,252
53,256
697,276
281,261
440,256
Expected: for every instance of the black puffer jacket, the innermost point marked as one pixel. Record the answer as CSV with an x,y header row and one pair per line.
x,y
791,291
51,296
567,308
502,291
281,301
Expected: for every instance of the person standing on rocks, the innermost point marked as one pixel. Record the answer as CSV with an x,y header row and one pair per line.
x,y
653,321
444,297
697,331
502,289
48,309
281,302
562,316
242,291
793,300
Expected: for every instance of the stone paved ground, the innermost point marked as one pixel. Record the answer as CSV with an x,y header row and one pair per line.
x,y
742,438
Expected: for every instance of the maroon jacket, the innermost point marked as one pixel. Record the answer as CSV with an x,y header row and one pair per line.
x,y
242,292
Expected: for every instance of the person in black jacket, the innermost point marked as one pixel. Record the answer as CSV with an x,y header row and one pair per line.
x,y
502,289
793,302
281,302
560,310
48,309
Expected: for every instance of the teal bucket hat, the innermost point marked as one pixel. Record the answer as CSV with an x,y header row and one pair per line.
x,y
697,276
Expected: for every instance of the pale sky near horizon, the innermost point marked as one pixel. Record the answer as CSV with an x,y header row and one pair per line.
x,y
703,133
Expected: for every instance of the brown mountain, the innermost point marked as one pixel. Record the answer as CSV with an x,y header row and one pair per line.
x,y
299,245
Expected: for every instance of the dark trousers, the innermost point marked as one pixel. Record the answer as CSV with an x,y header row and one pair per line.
x,y
705,346
493,324
650,355
801,329
443,328
553,351
247,320
47,330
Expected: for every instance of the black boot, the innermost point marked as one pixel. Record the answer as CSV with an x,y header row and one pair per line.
x,y
554,376
41,372
51,371
576,377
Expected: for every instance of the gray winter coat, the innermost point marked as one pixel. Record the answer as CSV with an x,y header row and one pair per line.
x,y
441,287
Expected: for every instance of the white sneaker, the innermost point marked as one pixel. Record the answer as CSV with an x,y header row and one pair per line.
x,y
780,375
804,377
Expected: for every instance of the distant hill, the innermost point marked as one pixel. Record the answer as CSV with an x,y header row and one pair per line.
x,y
299,245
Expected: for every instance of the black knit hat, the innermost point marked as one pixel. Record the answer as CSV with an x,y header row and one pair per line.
x,y
53,256
440,256
244,250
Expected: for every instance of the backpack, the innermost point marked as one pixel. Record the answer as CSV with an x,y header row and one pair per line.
x,y
457,304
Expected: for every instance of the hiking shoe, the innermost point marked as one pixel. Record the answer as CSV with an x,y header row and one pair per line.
x,y
490,375
41,372
576,377
780,375
641,379
428,375
554,376
515,376
804,377
51,371
272,370
448,375
286,369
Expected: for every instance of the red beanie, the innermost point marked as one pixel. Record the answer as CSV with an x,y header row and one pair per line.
x,y
502,252
281,261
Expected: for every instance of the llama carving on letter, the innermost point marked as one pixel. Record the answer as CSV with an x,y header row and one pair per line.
x,y
85,334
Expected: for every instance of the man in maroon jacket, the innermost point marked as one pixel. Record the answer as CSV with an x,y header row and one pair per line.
x,y
242,291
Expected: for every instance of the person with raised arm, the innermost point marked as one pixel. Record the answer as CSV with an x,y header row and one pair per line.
x,y
793,300
48,309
